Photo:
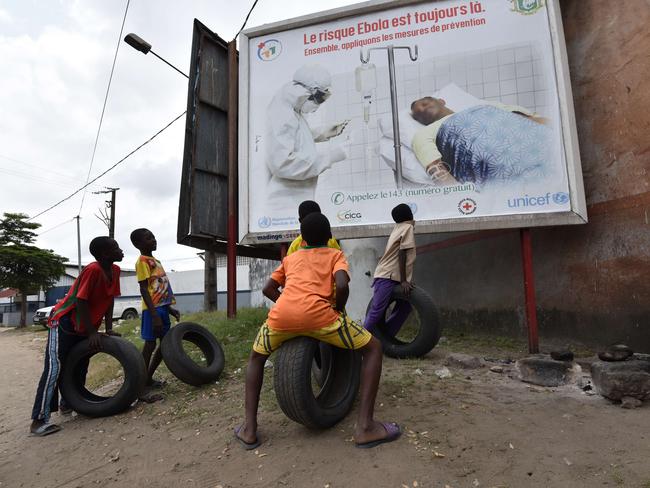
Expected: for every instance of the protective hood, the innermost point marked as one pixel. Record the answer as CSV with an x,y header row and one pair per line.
x,y
313,76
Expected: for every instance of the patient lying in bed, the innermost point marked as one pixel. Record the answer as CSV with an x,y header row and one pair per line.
x,y
482,144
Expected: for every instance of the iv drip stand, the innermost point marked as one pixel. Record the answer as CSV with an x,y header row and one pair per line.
x,y
393,100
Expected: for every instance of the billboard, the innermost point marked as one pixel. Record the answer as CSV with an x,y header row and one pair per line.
x,y
461,109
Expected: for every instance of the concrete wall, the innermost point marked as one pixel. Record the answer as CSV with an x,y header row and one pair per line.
x,y
592,280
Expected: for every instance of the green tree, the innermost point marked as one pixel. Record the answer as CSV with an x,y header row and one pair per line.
x,y
24,266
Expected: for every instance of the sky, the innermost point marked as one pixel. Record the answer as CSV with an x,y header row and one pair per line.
x,y
55,61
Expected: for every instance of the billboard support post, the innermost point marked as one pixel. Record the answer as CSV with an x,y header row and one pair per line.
x,y
393,102
231,246
529,290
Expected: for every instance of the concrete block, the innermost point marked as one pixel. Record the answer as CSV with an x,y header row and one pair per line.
x,y
544,371
622,379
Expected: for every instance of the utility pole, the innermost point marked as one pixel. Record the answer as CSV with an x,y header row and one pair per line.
x,y
78,244
109,221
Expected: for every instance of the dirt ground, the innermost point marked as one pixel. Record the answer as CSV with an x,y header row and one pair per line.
x,y
475,429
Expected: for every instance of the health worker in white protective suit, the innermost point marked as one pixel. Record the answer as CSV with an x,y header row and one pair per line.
x,y
293,158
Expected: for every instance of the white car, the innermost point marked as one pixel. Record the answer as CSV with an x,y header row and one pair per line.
x,y
42,314
125,309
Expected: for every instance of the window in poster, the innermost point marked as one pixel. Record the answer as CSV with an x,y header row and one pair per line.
x,y
486,127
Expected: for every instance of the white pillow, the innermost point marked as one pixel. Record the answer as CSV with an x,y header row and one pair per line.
x,y
456,98
408,127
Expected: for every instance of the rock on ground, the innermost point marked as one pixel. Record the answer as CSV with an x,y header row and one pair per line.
x,y
622,379
543,371
463,361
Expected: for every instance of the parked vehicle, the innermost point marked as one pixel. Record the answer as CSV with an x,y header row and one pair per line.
x,y
42,314
124,308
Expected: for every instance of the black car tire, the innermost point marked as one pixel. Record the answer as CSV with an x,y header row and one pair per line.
x,y
181,365
428,334
81,400
292,378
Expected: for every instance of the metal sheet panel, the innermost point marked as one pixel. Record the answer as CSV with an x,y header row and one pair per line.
x,y
203,202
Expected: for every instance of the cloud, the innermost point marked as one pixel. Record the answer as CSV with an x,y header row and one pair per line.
x,y
55,65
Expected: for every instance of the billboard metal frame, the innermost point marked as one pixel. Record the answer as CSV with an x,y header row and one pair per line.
x,y
577,214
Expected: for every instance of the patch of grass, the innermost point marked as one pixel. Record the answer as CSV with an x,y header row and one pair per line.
x,y
482,343
618,478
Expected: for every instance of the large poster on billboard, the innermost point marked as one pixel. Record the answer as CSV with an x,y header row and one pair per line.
x,y
460,109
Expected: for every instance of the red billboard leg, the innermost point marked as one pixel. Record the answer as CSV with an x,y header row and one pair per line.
x,y
529,290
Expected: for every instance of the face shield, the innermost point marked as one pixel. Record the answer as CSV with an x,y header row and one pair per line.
x,y
316,97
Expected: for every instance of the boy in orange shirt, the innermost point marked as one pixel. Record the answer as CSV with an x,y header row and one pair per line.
x,y
303,308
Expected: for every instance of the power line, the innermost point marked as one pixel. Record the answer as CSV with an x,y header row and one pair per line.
x,y
56,226
109,169
67,184
246,19
108,89
41,167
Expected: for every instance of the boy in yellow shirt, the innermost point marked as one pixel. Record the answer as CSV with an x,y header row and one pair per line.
x,y
305,208
157,300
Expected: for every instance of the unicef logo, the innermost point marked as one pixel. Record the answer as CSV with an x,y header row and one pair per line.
x,y
338,198
264,222
560,197
414,207
269,49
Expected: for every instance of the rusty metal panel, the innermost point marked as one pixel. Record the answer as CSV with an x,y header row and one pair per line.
x,y
203,206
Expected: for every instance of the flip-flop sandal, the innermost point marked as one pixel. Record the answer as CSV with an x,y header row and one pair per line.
x,y
249,446
392,433
45,429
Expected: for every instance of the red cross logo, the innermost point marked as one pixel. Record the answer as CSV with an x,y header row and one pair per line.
x,y
466,206
260,45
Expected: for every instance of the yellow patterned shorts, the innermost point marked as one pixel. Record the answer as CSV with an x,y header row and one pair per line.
x,y
344,333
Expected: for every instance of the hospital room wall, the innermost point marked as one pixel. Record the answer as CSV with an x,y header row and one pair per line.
x,y
511,74
592,280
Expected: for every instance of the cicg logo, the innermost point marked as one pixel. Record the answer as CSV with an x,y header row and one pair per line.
x,y
348,215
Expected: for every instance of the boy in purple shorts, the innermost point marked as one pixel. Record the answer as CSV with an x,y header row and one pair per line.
x,y
394,268
157,300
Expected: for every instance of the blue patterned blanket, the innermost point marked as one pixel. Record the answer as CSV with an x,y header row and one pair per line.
x,y
487,144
